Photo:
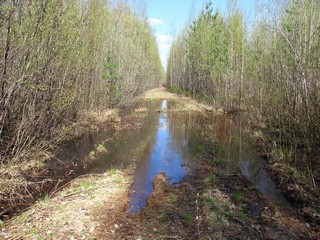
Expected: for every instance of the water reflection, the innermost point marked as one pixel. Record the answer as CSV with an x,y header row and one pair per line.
x,y
251,167
166,142
182,136
233,149
164,157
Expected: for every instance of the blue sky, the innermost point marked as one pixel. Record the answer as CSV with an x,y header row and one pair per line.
x,y
168,18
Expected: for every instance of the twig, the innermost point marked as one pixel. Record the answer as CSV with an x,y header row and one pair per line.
x,y
77,192
198,217
55,188
68,183
171,237
4,212
60,161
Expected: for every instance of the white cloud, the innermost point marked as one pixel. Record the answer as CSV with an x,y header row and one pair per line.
x,y
164,60
164,43
164,38
155,21
164,54
164,46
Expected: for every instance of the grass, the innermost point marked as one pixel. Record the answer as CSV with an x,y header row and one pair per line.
x,y
45,198
42,164
212,178
114,171
241,213
72,211
166,215
181,103
173,198
238,196
86,185
92,154
211,201
188,218
101,148
222,211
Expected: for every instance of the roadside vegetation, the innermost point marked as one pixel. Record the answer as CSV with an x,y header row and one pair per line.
x,y
62,59
68,66
269,68
215,201
64,68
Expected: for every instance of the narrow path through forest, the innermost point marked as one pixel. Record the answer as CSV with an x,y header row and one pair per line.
x,y
174,170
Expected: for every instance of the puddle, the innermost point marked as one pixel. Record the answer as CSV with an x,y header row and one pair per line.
x,y
164,157
232,148
180,138
170,141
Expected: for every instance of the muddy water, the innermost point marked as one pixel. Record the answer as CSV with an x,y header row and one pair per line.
x,y
171,142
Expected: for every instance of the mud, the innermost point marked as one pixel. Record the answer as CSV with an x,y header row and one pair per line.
x,y
202,207
194,177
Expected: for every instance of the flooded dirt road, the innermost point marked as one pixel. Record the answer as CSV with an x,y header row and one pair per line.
x,y
172,172
180,138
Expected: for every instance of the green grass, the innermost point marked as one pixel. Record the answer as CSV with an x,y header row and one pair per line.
x,y
188,218
101,148
212,178
42,164
114,171
238,196
92,154
24,218
229,215
86,185
117,180
173,198
211,201
220,213
166,215
44,198
241,213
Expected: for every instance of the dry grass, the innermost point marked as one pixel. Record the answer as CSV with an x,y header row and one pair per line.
x,y
70,214
181,103
159,93
103,116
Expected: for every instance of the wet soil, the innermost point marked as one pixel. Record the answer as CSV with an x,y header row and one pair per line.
x,y
227,195
303,198
192,174
73,159
202,207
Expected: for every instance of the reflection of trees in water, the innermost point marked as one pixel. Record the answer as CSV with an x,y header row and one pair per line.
x,y
131,143
188,132
194,133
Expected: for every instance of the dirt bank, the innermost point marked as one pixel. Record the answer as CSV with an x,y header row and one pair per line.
x,y
214,201
210,204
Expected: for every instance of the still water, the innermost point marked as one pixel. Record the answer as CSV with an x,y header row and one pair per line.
x,y
171,141
164,157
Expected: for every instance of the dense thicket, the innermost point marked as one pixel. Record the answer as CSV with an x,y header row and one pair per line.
x,y
273,71
61,57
